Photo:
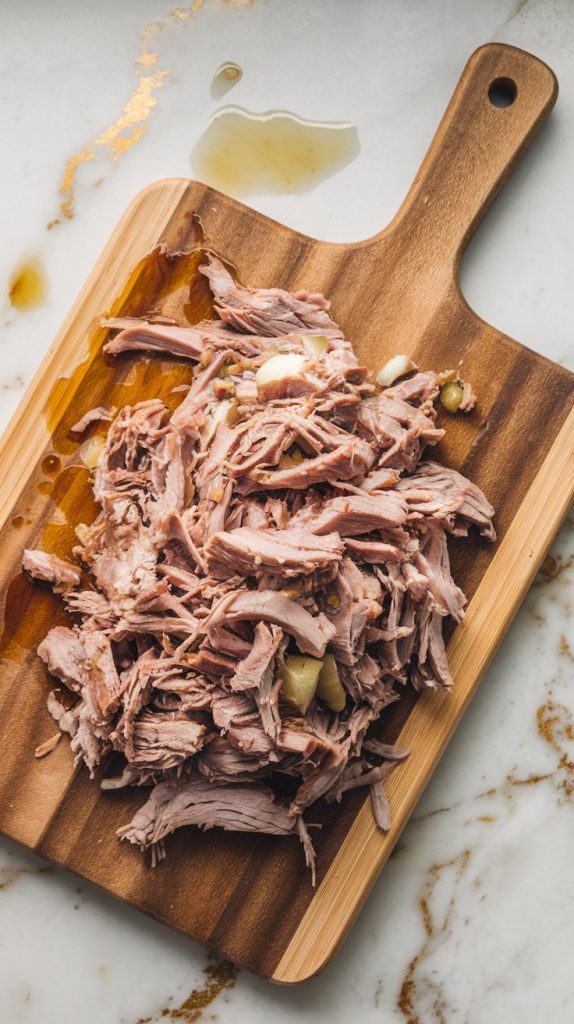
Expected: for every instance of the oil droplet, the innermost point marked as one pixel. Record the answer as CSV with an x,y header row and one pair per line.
x,y
51,465
19,521
46,487
243,153
226,76
27,287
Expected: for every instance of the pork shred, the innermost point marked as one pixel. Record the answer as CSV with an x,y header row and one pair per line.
x,y
238,531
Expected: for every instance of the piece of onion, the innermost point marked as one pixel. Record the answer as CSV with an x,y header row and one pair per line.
x,y
82,533
451,395
300,675
91,451
219,413
329,686
225,411
287,364
289,460
314,345
394,368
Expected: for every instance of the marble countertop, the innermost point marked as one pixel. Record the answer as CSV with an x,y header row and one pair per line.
x,y
473,918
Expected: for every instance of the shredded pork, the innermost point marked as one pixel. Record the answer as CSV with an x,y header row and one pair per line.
x,y
252,525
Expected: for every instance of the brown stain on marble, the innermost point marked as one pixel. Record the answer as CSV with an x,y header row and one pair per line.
x,y
566,785
552,568
529,780
431,814
15,384
147,57
131,125
28,287
426,916
117,138
555,725
10,875
506,790
489,792
552,720
134,116
565,647
435,932
220,976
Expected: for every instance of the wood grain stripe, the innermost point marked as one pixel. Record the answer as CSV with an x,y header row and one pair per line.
x,y
436,714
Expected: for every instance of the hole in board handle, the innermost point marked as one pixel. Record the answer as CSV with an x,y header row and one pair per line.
x,y
502,92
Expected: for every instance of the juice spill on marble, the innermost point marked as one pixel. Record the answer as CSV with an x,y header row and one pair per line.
x,y
226,76
132,123
28,287
243,153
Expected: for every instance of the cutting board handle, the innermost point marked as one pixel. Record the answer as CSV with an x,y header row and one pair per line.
x,y
474,150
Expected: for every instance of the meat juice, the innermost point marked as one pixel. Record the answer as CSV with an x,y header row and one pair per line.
x,y
244,153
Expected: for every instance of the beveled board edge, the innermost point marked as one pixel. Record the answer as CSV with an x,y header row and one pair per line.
x,y
436,714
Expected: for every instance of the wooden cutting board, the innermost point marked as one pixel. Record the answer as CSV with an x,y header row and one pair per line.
x,y
250,897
